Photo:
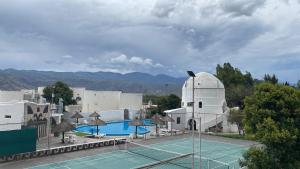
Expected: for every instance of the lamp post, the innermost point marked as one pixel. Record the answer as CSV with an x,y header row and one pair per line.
x,y
192,74
50,115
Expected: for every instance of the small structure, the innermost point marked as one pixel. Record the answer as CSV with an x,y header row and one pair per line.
x,y
167,119
97,122
63,127
17,114
209,105
77,116
136,123
157,120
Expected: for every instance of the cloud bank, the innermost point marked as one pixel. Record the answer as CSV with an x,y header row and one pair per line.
x,y
165,36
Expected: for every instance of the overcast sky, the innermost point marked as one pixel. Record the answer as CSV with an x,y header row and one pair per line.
x,y
152,36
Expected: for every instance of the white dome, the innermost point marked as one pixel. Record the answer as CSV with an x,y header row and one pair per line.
x,y
204,80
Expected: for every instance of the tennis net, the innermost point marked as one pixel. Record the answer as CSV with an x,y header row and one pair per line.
x,y
163,159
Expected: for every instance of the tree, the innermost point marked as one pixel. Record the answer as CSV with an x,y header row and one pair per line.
x,y
60,90
298,84
272,115
236,116
237,84
166,103
257,158
271,79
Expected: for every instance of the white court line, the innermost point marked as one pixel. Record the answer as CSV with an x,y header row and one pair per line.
x,y
79,158
81,162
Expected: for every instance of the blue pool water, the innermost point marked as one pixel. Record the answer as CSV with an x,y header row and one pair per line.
x,y
120,128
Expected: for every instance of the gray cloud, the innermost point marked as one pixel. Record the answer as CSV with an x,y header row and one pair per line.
x,y
152,36
241,7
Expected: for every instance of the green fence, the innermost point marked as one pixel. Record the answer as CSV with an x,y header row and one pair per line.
x,y
17,141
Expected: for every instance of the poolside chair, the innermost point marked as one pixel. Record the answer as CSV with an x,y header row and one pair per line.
x,y
152,133
140,136
102,135
131,136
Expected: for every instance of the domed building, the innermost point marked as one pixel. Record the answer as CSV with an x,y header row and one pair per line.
x,y
210,105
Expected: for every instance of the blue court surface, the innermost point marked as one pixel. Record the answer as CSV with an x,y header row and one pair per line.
x,y
170,154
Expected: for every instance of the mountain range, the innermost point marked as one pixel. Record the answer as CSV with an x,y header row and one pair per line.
x,y
11,79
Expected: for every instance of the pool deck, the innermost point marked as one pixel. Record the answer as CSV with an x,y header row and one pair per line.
x,y
90,152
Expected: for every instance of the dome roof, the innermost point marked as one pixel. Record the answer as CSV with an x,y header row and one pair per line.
x,y
204,80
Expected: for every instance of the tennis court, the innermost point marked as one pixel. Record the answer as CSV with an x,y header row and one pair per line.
x,y
170,154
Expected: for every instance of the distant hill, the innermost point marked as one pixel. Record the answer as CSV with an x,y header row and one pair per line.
x,y
11,79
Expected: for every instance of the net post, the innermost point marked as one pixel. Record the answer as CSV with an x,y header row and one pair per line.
x,y
126,146
208,163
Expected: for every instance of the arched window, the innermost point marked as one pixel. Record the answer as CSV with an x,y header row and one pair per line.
x,y
29,110
46,109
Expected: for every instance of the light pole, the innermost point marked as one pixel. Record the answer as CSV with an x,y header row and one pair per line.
x,y
200,162
192,74
50,115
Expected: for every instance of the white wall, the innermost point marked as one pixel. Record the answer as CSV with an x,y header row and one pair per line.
x,y
100,100
109,100
16,111
174,125
78,92
112,115
7,96
40,90
132,101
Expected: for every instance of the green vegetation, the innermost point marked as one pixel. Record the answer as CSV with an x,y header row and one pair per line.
x,y
271,79
272,115
80,134
154,98
164,103
234,136
60,90
237,84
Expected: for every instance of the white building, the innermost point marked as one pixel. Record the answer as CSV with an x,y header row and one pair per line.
x,y
25,108
17,114
210,105
7,96
109,104
11,115
20,95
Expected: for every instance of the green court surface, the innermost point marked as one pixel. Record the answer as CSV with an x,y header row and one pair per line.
x,y
214,155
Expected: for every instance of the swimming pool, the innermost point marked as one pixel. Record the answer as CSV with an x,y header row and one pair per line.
x,y
118,128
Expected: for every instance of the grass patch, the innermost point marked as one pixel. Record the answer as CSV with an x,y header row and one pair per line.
x,y
80,134
235,136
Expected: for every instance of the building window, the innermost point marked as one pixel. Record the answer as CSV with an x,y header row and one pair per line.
x,y
7,116
178,120
29,110
38,109
200,105
46,109
190,104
